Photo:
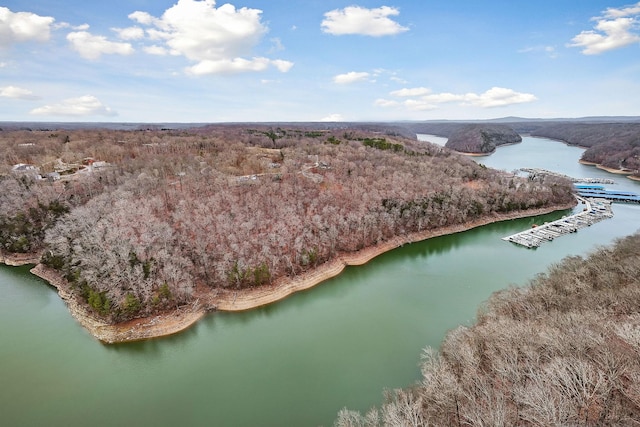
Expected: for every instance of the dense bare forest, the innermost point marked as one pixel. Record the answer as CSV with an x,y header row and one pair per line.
x,y
564,350
138,221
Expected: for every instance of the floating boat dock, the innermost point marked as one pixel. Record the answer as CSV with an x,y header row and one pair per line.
x,y
596,210
613,195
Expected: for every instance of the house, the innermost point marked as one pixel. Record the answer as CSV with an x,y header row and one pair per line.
x,y
24,168
97,164
52,176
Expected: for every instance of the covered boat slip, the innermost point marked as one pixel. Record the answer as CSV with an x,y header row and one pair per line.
x,y
614,195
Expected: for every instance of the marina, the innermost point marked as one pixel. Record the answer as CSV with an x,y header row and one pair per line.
x,y
596,210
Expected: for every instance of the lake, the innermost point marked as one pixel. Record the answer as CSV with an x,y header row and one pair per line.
x,y
296,362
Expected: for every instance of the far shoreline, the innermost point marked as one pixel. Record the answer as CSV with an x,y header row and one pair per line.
x,y
627,173
182,318
464,153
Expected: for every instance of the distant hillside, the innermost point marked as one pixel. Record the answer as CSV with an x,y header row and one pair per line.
x,y
481,138
521,125
590,134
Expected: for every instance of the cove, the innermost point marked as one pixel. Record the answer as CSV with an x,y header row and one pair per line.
x,y
296,362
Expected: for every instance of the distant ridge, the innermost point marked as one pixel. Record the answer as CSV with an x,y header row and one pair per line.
x,y
443,126
515,119
608,119
45,126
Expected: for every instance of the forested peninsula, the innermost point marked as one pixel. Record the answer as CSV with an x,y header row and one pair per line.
x,y
481,139
562,351
143,231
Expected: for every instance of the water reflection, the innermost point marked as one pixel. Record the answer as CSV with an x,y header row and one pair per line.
x,y
154,347
30,285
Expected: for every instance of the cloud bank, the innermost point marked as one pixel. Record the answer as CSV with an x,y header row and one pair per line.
x,y
421,98
87,105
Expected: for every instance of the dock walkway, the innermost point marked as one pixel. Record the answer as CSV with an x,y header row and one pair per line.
x,y
596,210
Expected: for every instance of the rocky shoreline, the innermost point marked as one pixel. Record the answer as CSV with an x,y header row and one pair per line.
x,y
171,322
159,325
16,260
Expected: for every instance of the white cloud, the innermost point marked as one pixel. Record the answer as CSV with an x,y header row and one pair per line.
x,y
421,98
87,105
237,65
419,104
282,65
359,20
416,91
129,33
277,45
350,77
550,51
625,11
60,25
17,93
385,103
335,117
217,39
92,47
23,26
615,29
143,18
399,80
445,97
155,50
498,97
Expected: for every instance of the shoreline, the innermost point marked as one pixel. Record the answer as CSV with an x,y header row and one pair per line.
x,y
17,260
627,173
464,153
489,153
175,321
159,325
252,298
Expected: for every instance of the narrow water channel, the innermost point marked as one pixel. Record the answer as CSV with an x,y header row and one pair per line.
x,y
296,362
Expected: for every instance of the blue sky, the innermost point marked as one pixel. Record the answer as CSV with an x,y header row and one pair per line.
x,y
317,60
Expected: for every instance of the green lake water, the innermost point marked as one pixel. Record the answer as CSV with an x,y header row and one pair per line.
x,y
295,362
